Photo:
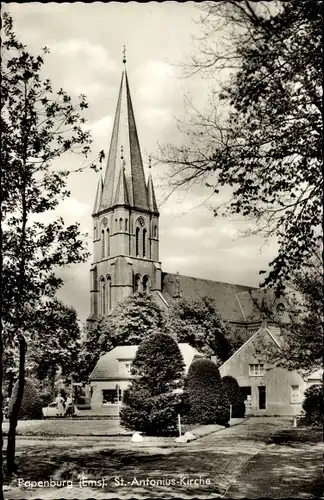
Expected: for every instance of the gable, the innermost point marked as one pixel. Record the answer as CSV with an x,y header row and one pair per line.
x,y
255,350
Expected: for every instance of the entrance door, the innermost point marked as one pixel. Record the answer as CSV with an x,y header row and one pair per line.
x,y
262,397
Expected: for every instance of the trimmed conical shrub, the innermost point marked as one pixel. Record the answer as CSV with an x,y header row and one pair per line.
x,y
207,396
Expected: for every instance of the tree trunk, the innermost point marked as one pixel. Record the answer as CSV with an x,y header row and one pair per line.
x,y
10,384
1,413
11,446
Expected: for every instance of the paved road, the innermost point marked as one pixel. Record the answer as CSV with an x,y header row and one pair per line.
x,y
238,461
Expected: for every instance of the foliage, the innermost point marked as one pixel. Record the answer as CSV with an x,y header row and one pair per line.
x,y
55,344
262,133
151,402
31,406
302,338
38,125
131,321
197,322
207,396
235,396
313,406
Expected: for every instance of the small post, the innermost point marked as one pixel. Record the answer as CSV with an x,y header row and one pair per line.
x,y
179,424
230,420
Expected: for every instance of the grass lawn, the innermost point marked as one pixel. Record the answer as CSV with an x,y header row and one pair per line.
x,y
68,427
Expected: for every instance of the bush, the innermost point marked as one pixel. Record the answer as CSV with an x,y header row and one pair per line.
x,y
313,406
207,397
151,403
31,405
46,398
235,396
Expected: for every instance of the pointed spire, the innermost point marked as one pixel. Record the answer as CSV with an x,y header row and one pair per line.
x,y
121,195
97,202
125,133
150,191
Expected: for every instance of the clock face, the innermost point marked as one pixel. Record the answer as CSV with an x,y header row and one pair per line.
x,y
104,222
141,222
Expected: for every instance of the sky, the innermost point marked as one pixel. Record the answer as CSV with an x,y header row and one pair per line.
x,y
86,43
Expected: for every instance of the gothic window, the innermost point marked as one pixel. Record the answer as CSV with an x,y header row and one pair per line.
x,y
155,231
94,278
144,242
103,244
126,224
108,243
108,293
116,224
94,233
138,283
146,284
103,296
120,224
137,241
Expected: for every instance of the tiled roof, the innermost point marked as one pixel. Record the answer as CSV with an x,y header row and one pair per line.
x,y
225,295
110,365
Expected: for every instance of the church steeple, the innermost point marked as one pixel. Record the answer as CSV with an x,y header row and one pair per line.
x,y
125,134
125,218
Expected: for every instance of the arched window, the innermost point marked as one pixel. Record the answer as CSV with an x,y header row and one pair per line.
x,y
108,243
155,231
103,244
137,241
120,224
103,296
126,224
108,294
146,284
94,278
144,242
95,233
138,283
116,224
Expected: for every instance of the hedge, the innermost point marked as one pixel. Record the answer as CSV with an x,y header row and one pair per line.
x,y
208,400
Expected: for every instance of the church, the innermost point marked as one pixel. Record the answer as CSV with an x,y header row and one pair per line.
x,y
126,260
126,239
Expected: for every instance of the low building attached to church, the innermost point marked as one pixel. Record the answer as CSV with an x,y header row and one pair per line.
x,y
268,390
112,375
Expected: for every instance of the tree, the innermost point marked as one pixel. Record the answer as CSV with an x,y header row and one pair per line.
x,y
55,345
151,402
207,396
131,321
197,322
262,133
302,338
31,406
313,406
235,396
38,125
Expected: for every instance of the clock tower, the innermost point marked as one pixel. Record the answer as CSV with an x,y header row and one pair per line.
x,y
125,218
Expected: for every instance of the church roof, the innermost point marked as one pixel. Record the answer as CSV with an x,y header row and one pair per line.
x,y
225,295
124,138
110,366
